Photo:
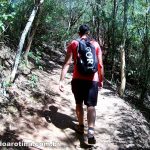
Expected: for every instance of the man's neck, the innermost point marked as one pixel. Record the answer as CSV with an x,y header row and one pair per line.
x,y
84,36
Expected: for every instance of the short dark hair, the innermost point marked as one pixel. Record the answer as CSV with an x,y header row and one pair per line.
x,y
84,29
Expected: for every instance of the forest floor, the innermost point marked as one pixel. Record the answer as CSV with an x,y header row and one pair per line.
x,y
38,115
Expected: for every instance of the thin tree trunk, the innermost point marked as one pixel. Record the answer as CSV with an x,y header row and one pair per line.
x,y
113,39
146,68
29,45
123,74
123,46
34,28
98,25
22,39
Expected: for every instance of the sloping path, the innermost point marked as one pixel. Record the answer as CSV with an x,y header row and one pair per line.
x,y
44,117
118,125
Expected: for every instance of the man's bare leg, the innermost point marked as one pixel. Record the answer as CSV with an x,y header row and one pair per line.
x,y
91,116
80,113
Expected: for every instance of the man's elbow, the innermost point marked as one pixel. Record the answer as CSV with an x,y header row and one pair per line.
x,y
66,65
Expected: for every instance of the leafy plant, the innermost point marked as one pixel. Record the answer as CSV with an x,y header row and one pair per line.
x,y
6,84
3,87
6,16
36,56
33,80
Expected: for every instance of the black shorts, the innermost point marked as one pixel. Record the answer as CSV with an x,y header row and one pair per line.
x,y
86,91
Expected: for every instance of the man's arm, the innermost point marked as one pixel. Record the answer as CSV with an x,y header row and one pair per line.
x,y
64,71
100,68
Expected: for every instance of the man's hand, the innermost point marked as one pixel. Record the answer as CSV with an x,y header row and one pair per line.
x,y
61,86
100,84
65,68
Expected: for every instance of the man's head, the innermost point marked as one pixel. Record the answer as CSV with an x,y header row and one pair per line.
x,y
83,29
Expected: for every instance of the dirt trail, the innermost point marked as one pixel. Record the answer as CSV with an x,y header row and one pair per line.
x,y
45,116
118,125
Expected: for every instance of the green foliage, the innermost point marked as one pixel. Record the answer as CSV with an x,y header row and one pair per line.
x,y
6,84
22,11
6,17
3,86
33,80
36,56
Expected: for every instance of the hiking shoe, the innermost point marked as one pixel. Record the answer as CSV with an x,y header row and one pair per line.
x,y
91,140
79,129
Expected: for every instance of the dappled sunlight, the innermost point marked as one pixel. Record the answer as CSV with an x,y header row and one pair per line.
x,y
38,120
119,125
44,114
50,117
42,43
12,136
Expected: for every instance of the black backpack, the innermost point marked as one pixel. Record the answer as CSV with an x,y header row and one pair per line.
x,y
87,62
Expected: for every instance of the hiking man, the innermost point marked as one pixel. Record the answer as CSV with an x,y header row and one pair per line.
x,y
84,86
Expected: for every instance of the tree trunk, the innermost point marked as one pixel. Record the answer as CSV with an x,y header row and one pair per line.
x,y
123,76
22,39
31,36
122,48
29,45
113,38
146,62
98,24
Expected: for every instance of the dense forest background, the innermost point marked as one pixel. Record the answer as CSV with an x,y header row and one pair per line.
x,y
120,27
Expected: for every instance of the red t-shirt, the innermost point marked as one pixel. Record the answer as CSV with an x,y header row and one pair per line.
x,y
72,48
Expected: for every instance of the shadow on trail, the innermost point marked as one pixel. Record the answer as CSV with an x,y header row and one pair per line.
x,y
58,119
63,121
81,138
136,103
10,140
125,127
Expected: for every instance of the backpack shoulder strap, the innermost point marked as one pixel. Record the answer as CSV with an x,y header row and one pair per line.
x,y
78,39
